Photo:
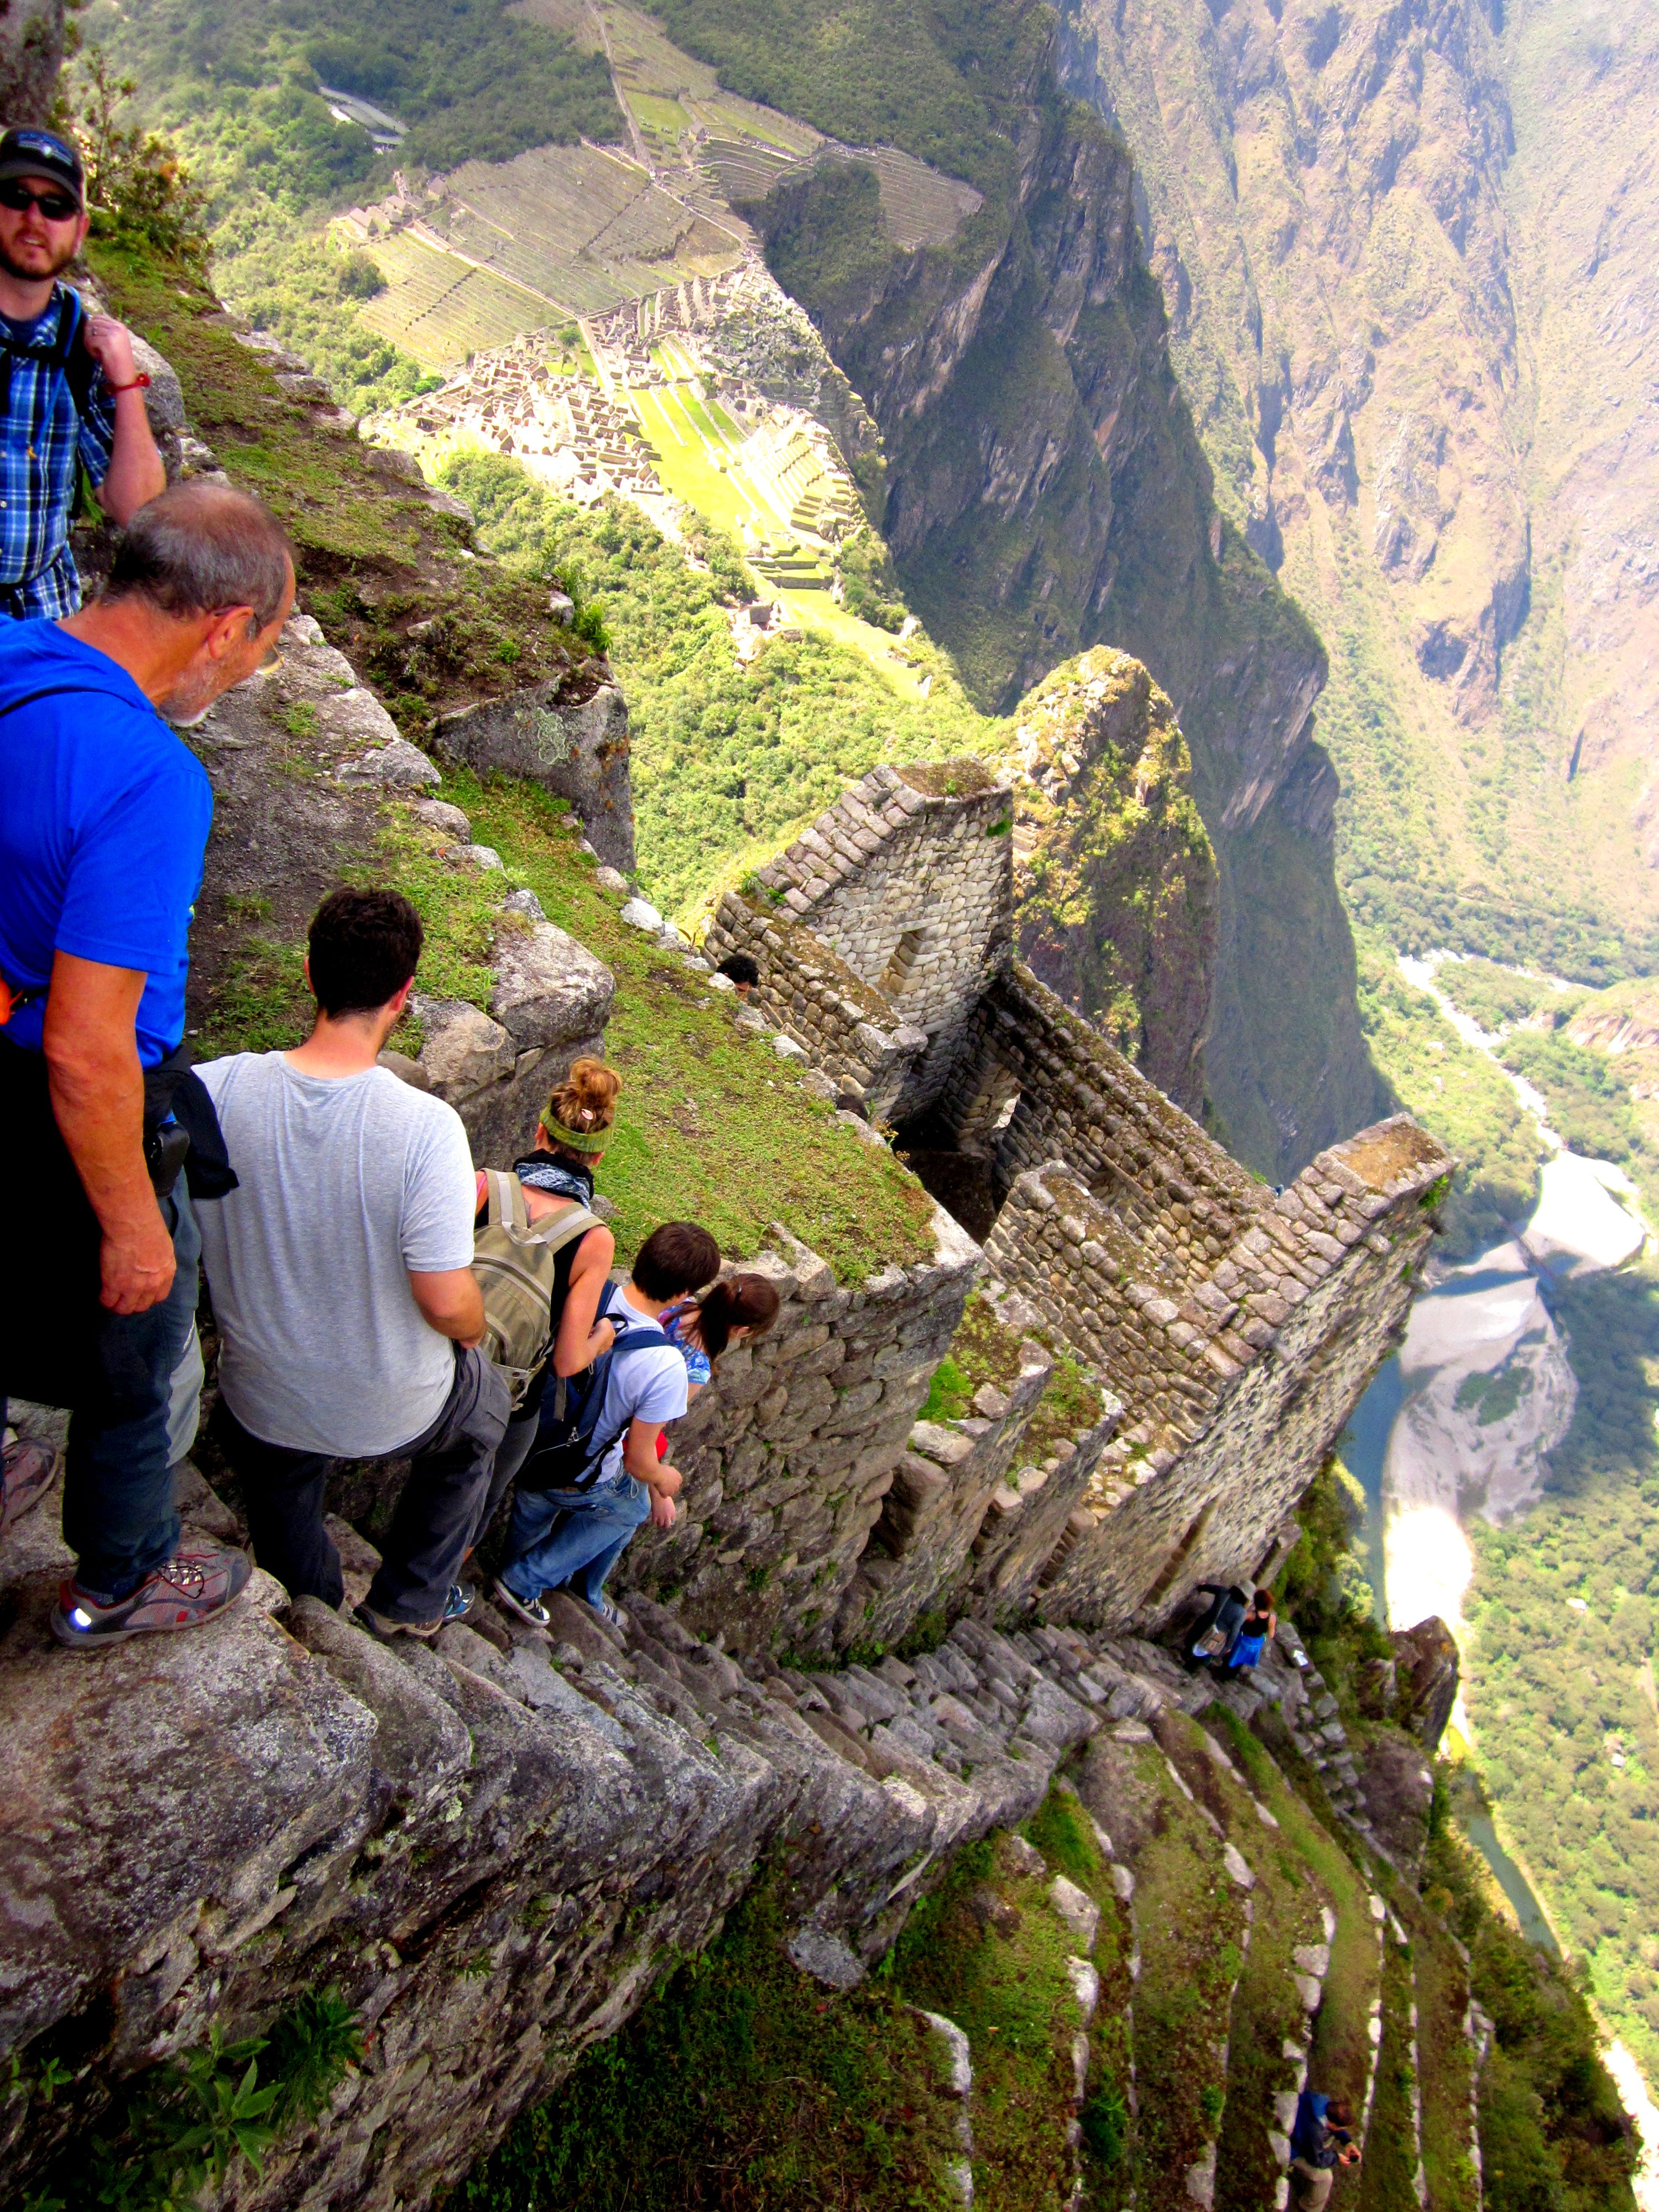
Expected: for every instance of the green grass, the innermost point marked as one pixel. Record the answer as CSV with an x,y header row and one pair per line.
x,y
743,2087
1010,1993
1191,1920
1385,2176
711,1125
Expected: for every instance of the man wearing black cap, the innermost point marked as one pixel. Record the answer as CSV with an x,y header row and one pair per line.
x,y
70,391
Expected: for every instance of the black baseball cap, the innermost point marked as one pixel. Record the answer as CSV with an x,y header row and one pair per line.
x,y
30,153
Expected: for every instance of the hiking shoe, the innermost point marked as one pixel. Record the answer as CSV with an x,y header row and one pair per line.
x,y
602,1605
385,1630
198,1581
29,1466
527,1608
463,1596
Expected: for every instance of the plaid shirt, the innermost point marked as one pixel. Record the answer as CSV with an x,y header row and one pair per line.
x,y
42,438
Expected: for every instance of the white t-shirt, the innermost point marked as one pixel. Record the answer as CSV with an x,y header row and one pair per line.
x,y
649,1385
347,1184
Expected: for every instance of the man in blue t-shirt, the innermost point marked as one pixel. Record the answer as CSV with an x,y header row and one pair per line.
x,y
102,833
71,396
1320,2141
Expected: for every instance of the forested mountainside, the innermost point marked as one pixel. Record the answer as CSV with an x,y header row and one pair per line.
x,y
1044,489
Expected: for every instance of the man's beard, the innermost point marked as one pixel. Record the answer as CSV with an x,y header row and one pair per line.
x,y
194,699
36,275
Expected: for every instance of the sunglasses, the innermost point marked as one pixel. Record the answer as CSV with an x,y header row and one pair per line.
x,y
56,207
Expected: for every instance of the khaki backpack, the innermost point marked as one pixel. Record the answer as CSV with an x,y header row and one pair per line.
x,y
515,1261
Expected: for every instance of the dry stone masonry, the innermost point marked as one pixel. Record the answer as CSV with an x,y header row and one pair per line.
x,y
1235,1326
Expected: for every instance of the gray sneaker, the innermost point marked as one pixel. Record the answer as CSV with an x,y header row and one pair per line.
x,y
197,1584
27,1469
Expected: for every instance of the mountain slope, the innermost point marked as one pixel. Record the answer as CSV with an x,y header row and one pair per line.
x,y
1409,384
1045,488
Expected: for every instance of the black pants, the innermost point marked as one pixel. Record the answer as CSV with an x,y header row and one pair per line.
x,y
283,1493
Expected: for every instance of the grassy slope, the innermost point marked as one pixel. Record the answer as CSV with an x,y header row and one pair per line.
x,y
727,761
743,2087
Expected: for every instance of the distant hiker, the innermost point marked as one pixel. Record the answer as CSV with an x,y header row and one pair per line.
x,y
1210,1638
342,1280
71,396
1254,1633
1320,2143
542,1274
735,1307
594,1461
742,972
102,830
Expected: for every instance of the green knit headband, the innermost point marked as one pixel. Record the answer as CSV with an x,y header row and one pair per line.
x,y
577,1140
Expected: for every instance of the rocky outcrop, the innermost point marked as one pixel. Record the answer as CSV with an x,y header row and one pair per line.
x,y
312,784
576,750
1426,1679
1115,877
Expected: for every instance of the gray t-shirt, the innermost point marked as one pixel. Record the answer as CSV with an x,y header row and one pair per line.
x,y
347,1184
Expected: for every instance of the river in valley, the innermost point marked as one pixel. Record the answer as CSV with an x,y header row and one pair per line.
x,y
1461,1422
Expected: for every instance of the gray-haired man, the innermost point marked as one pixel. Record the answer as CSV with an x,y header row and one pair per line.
x,y
101,842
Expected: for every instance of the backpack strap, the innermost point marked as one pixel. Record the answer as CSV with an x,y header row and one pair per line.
x,y
504,1198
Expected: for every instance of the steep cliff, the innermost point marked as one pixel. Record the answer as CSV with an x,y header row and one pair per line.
x,y
1404,261
1046,490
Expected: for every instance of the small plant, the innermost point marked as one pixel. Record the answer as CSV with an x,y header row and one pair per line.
x,y
1212,2101
1105,2123
300,721
137,191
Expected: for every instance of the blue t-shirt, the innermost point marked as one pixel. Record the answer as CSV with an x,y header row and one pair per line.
x,y
104,819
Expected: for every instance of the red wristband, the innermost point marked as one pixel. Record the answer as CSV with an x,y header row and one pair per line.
x,y
140,383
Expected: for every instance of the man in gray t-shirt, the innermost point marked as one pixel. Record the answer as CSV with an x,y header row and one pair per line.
x,y
341,1275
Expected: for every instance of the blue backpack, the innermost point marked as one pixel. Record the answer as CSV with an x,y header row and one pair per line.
x,y
569,1448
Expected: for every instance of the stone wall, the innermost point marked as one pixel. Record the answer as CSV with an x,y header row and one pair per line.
x,y
1234,1397
789,1455
907,880
807,991
1175,1199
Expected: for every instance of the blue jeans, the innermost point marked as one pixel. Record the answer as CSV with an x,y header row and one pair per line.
x,y
597,1529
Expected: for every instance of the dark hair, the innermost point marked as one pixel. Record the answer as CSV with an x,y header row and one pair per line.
x,y
741,968
1340,2111
748,1302
680,1256
364,947
198,548
1264,1600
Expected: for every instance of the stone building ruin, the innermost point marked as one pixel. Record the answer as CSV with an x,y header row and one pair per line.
x,y
1231,1327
